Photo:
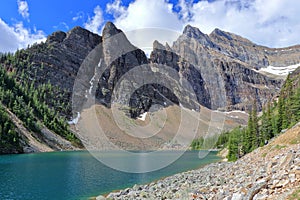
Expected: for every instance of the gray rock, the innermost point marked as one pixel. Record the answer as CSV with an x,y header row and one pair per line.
x,y
237,196
100,197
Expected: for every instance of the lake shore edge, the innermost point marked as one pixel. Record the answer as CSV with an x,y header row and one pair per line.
x,y
163,182
269,172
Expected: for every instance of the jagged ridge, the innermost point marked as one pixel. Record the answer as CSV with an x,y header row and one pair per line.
x,y
220,67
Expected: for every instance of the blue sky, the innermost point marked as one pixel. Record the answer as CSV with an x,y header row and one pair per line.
x,y
273,23
53,15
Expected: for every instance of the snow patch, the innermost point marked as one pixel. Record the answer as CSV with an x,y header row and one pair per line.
x,y
92,84
234,111
142,116
99,64
75,121
238,111
282,71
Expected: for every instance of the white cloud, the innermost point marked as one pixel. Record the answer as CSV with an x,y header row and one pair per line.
x,y
23,9
94,24
145,14
79,16
17,36
273,23
115,8
268,22
62,26
143,21
184,10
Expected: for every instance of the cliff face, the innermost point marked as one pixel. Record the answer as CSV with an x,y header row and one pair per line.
x,y
61,56
255,55
223,71
221,67
119,56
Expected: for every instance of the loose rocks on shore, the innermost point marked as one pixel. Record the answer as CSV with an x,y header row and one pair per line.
x,y
263,174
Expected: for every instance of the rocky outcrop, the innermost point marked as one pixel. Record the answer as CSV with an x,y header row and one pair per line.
x,y
57,62
255,55
61,56
195,33
239,48
119,56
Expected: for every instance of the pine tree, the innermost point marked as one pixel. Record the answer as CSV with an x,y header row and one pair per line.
x,y
270,133
232,148
249,137
295,107
257,137
281,114
266,129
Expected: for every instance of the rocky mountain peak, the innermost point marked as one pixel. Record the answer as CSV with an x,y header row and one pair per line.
x,y
219,33
57,36
109,30
192,31
168,48
77,30
158,45
195,33
83,36
77,36
220,36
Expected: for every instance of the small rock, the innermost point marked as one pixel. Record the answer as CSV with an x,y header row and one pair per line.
x,y
292,178
174,190
260,197
237,196
100,197
132,193
282,183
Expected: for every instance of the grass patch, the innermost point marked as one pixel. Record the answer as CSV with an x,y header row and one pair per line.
x,y
295,195
278,147
295,140
264,155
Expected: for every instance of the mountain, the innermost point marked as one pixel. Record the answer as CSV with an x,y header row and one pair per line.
x,y
220,71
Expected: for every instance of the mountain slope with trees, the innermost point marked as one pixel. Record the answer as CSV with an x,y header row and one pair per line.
x,y
30,104
276,117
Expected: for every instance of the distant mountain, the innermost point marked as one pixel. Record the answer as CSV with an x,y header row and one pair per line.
x,y
223,69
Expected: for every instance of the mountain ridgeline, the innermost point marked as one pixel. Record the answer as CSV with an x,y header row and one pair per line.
x,y
222,68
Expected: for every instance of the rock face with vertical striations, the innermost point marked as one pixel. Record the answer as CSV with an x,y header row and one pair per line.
x,y
224,68
221,68
57,62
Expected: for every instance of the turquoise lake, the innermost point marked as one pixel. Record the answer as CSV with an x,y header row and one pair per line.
x,y
77,175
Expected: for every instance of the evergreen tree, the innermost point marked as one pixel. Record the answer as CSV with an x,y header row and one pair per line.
x,y
232,148
249,137
295,107
255,129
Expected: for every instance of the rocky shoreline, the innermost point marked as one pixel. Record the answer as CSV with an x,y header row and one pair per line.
x,y
270,172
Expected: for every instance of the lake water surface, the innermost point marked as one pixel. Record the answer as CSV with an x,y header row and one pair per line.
x,y
77,175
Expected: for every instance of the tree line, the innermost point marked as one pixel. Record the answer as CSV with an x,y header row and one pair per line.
x,y
276,116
